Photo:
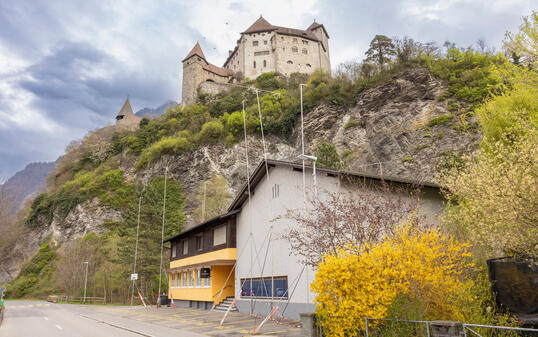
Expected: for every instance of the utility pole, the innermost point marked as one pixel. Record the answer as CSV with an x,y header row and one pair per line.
x,y
162,234
85,281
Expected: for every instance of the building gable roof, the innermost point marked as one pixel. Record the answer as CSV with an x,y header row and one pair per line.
x,y
315,26
196,50
260,25
126,109
223,72
258,174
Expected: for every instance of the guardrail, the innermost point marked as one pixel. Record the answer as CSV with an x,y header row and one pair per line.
x,y
417,328
73,299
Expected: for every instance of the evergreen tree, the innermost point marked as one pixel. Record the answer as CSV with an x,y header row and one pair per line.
x,y
149,244
328,156
381,49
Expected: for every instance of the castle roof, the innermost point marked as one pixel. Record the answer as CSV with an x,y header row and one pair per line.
x,y
260,25
196,50
315,26
126,109
217,70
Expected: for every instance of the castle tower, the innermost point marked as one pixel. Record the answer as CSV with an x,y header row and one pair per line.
x,y
126,120
193,74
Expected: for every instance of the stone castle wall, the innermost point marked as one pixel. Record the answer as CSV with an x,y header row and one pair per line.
x,y
213,87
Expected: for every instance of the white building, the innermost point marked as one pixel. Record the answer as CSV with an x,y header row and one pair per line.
x,y
252,262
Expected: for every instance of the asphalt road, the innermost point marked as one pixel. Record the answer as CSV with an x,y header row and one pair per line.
x,y
38,318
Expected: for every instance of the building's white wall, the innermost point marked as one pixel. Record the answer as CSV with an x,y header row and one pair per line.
x,y
260,213
279,261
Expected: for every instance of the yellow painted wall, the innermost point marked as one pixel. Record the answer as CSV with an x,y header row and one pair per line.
x,y
218,277
225,254
220,273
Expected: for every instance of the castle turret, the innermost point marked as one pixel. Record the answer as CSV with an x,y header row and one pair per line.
x,y
126,120
193,74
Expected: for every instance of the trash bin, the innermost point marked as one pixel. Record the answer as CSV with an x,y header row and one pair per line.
x,y
163,299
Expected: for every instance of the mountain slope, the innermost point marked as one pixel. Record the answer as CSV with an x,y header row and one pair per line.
x,y
155,112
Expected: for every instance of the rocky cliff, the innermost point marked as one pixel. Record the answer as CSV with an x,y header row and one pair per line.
x,y
401,128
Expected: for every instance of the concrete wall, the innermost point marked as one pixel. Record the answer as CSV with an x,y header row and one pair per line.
x,y
278,260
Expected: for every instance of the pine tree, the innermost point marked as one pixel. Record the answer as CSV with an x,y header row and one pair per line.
x,y
381,49
149,244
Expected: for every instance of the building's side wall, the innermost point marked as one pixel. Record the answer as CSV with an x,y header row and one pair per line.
x,y
295,54
324,55
193,75
279,260
258,54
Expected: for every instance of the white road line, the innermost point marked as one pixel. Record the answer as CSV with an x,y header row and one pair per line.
x,y
46,318
59,327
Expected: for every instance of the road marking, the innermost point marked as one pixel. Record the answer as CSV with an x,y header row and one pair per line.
x,y
59,327
46,318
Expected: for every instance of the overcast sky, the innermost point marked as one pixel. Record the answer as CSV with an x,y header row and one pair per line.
x,y
67,66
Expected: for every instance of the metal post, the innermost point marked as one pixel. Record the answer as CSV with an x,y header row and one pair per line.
x,y
162,235
366,326
315,180
136,243
85,281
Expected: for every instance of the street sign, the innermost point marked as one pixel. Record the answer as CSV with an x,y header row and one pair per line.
x,y
134,277
205,273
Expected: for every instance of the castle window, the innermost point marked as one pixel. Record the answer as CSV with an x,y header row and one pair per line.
x,y
305,51
282,37
305,42
264,63
308,65
294,49
254,64
290,62
254,43
264,41
283,49
199,59
294,40
264,52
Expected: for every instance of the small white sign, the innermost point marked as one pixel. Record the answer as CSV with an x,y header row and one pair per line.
x,y
134,277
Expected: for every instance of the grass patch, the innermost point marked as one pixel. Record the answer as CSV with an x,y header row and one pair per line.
x,y
352,123
443,119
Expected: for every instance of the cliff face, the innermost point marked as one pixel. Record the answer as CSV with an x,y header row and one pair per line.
x,y
397,129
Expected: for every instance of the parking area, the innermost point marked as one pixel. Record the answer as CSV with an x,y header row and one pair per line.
x,y
205,322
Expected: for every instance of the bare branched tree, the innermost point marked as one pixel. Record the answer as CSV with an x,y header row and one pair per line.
x,y
359,217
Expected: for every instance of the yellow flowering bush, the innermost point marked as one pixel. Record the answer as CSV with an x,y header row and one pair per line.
x,y
425,267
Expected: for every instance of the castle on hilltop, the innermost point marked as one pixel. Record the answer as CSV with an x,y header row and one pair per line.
x,y
261,48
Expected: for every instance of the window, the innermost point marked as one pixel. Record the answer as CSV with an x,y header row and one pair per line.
x,y
173,249
289,62
282,37
254,43
185,247
283,49
264,63
177,280
219,235
294,49
308,65
265,42
172,280
276,191
305,51
207,281
305,42
185,279
199,241
294,40
198,278
254,64
264,52
191,278
266,287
